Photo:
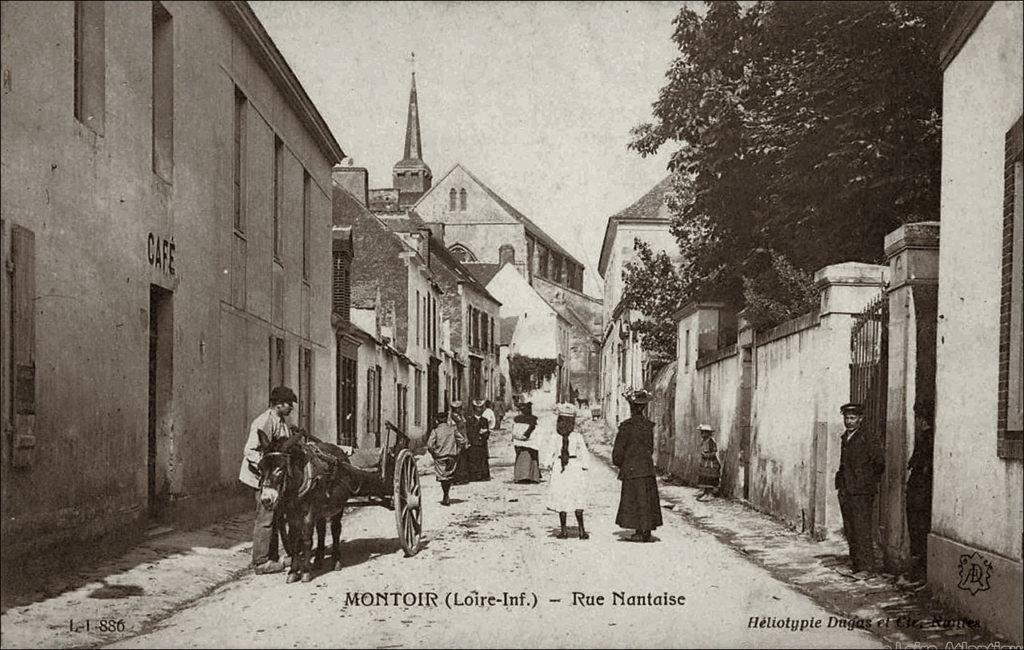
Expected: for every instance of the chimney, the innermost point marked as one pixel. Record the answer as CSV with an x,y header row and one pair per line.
x,y
506,254
437,230
355,180
423,247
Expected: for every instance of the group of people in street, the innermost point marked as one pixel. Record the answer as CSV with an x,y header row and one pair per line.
x,y
564,457
459,447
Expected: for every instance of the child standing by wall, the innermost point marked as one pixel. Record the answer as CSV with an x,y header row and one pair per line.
x,y
709,473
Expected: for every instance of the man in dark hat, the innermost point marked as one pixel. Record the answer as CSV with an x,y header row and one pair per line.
x,y
271,423
639,505
445,443
860,468
919,484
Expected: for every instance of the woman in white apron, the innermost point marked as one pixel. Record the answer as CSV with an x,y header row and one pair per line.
x,y
568,460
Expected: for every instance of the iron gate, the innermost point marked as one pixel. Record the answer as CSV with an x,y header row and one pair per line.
x,y
869,384
869,371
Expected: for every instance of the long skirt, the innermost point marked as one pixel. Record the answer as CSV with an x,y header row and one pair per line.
x,y
479,466
462,468
639,506
445,466
527,465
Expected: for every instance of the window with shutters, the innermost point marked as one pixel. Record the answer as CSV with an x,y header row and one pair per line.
x,y
417,399
1010,411
90,65
277,363
307,208
238,174
342,285
278,197
163,93
306,389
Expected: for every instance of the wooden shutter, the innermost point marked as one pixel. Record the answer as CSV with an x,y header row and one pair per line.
x,y
23,345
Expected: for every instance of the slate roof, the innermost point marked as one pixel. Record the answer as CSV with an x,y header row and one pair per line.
x,y
482,271
649,207
508,328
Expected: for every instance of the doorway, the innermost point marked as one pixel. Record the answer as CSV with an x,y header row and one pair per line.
x,y
161,359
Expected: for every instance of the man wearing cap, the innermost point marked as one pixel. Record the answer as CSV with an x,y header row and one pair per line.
x,y
444,444
265,530
639,505
919,484
860,468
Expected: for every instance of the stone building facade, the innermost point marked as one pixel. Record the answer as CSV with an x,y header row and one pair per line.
x,y
977,511
392,278
625,363
166,230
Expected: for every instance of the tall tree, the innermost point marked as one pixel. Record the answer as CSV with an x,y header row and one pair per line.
x,y
804,132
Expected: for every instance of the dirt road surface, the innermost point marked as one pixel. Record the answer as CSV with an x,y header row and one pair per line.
x,y
491,573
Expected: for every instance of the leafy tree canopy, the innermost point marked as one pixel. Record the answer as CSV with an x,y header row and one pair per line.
x,y
803,133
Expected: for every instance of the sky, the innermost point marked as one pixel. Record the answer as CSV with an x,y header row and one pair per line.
x,y
536,99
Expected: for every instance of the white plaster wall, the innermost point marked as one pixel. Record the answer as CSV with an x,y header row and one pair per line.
x,y
977,496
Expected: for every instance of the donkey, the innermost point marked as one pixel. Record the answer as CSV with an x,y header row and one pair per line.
x,y
307,488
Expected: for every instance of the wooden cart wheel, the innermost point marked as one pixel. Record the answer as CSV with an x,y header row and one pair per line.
x,y
408,513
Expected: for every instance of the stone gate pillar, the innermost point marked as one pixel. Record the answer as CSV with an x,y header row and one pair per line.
x,y
912,252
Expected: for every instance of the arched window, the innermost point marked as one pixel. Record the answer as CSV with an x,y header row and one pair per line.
x,y
461,253
462,200
451,200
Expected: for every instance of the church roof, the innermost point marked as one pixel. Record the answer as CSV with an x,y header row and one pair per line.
x,y
649,207
531,227
482,271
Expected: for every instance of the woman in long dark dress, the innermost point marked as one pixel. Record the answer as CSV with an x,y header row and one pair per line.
x,y
526,441
461,476
478,435
639,505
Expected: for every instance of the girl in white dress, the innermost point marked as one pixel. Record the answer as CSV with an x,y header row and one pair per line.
x,y
568,460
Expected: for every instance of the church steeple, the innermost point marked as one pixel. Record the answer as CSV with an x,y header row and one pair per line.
x,y
411,176
413,148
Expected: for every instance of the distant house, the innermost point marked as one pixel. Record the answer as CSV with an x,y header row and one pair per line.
x,y
624,362
541,335
974,550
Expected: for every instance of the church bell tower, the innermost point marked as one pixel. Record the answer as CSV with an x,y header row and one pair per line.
x,y
410,175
